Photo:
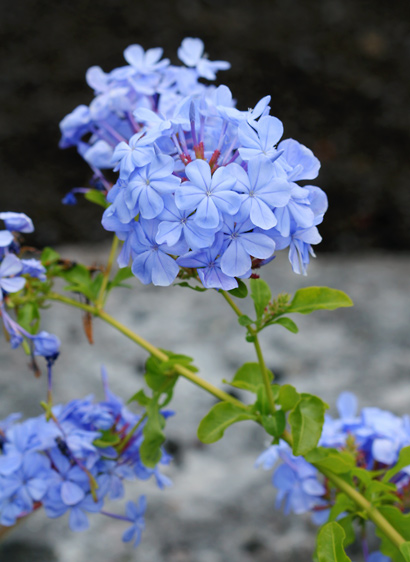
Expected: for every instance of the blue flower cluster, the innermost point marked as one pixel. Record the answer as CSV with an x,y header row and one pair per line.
x,y
73,462
13,276
202,185
375,436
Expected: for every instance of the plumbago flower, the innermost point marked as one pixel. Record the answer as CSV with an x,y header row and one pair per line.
x,y
74,462
374,436
206,183
14,273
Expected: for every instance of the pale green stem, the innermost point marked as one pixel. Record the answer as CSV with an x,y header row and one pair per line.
x,y
152,350
129,435
231,303
101,295
262,365
265,374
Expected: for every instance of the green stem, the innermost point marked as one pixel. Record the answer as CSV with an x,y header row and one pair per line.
x,y
231,303
152,350
262,365
265,374
101,295
372,512
129,435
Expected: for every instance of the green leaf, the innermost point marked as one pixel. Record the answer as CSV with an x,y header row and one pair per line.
x,y
347,525
140,397
261,296
107,439
196,288
49,256
241,291
95,285
249,377
154,437
330,543
28,317
401,523
306,421
343,503
286,323
275,423
245,320
221,416
402,462
309,299
97,196
339,462
405,550
121,275
288,397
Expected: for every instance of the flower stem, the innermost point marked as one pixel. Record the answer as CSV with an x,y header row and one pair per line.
x,y
261,361
372,512
152,350
265,374
101,295
231,303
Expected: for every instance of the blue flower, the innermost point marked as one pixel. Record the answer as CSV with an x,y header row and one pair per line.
x,y
153,264
191,53
17,221
47,345
209,194
9,268
135,513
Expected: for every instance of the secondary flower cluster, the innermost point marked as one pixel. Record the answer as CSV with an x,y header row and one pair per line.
x,y
201,184
13,276
74,462
376,438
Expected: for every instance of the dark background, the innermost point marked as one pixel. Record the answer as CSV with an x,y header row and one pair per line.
x,y
337,70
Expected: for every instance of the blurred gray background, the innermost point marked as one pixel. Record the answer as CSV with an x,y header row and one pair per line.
x,y
338,75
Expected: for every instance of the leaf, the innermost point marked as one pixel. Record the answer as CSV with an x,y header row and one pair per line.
x,y
342,504
306,421
28,317
347,525
77,275
140,397
196,288
107,439
241,291
96,196
245,320
275,423
309,299
339,462
405,550
49,256
154,437
249,377
121,275
402,462
261,296
401,523
220,417
288,397
330,544
286,323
